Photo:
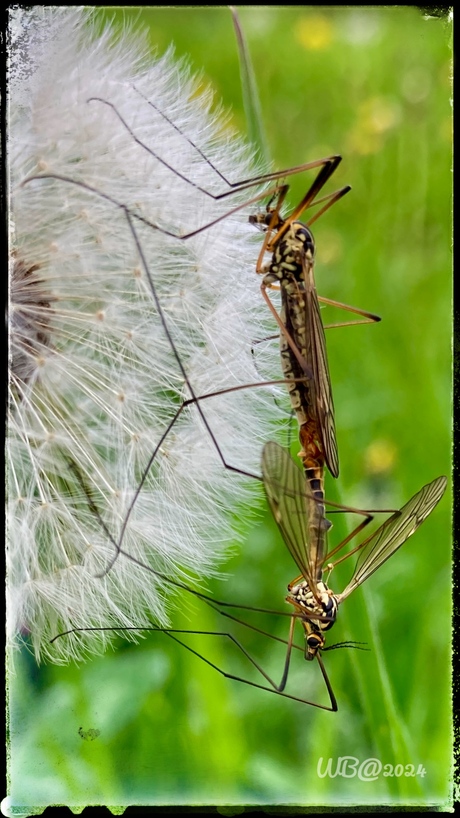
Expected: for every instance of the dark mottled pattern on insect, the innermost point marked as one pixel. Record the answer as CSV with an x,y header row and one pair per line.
x,y
292,268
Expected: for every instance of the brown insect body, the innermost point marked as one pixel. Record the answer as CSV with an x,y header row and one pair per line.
x,y
292,267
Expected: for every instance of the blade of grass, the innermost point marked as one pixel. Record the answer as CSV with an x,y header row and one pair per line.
x,y
251,100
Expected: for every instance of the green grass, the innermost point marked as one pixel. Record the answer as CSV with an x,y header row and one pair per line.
x,y
372,84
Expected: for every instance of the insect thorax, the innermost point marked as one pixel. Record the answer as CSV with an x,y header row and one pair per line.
x,y
302,598
288,267
289,253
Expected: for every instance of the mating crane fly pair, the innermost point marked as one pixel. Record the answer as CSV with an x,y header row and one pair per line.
x,y
296,500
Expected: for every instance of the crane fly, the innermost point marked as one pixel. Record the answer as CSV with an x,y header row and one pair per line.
x,y
303,347
303,525
302,340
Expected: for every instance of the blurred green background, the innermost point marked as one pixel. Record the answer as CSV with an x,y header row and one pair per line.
x,y
372,84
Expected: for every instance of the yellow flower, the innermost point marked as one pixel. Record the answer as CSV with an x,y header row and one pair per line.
x,y
315,32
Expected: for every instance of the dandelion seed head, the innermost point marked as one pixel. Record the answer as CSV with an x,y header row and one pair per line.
x,y
94,381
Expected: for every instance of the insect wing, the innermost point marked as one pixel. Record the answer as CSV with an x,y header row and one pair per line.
x,y
286,490
323,391
394,533
304,325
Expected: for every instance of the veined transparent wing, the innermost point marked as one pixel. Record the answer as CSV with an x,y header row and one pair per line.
x,y
324,403
298,516
394,533
321,405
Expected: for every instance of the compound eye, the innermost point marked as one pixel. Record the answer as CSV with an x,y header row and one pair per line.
x,y
328,605
304,235
313,641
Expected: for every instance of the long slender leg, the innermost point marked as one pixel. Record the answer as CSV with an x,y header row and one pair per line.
x,y
244,184
369,317
301,360
213,603
122,206
196,400
318,183
274,688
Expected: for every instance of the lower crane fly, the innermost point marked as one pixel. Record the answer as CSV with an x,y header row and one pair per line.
x,y
303,525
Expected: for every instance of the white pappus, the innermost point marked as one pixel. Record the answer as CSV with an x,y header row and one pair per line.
x,y
94,381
